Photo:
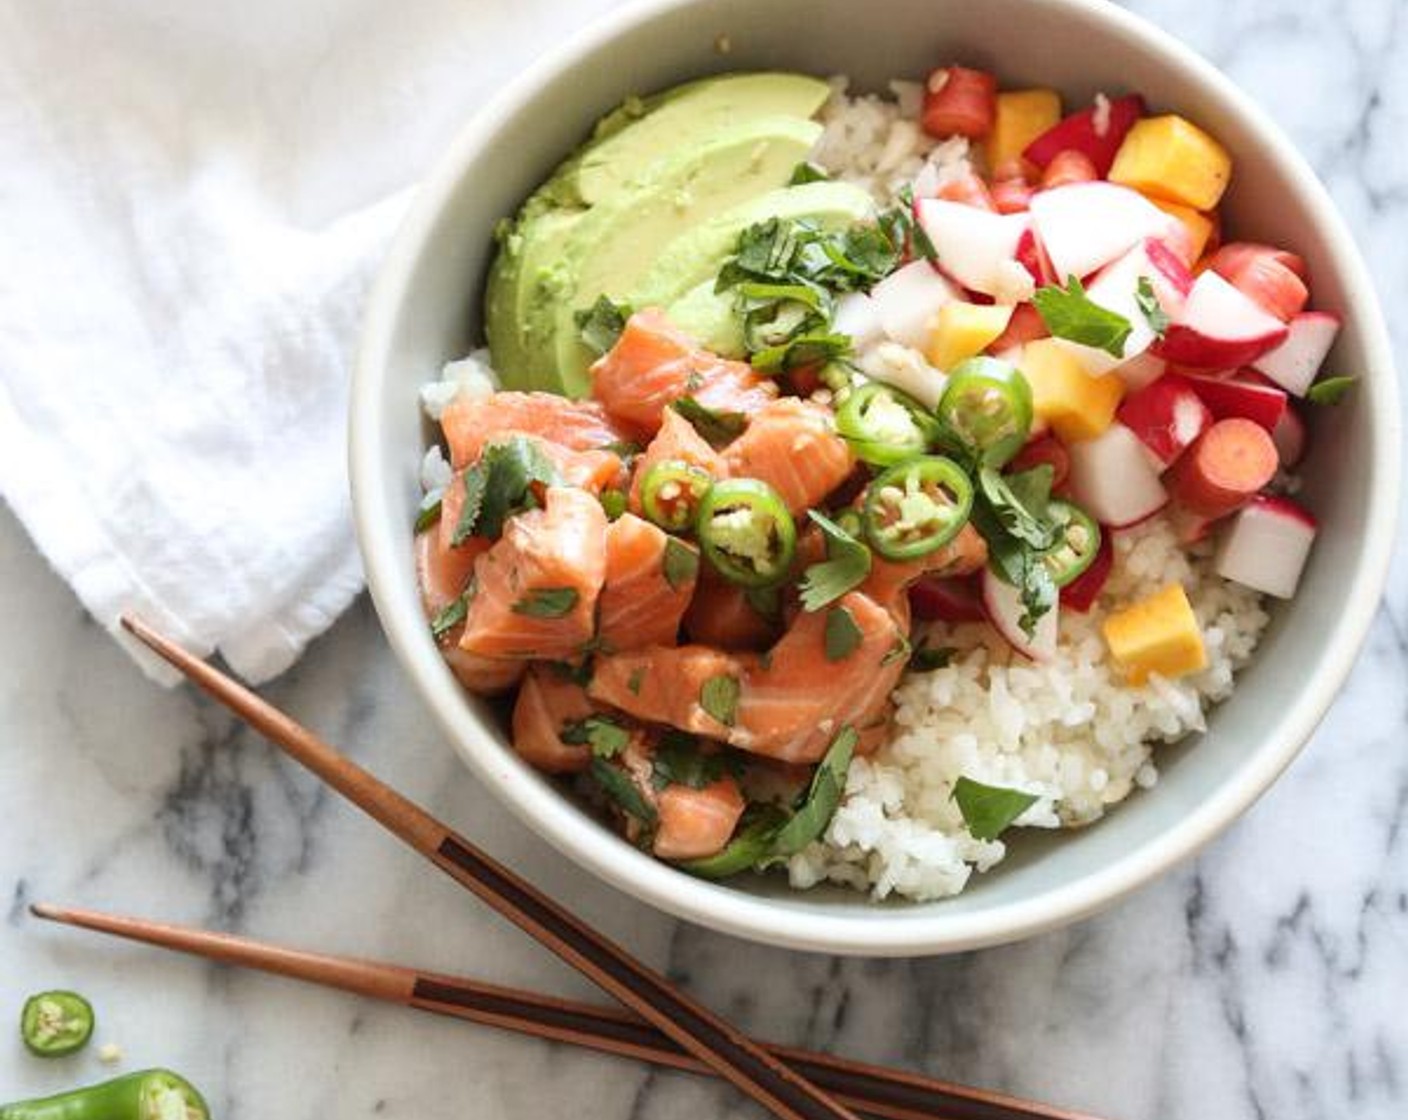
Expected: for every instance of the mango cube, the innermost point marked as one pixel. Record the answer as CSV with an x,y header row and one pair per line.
x,y
961,330
1173,159
1022,116
1075,405
1157,635
1197,229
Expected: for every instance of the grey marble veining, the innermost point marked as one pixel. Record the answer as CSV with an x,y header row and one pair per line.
x,y
1266,979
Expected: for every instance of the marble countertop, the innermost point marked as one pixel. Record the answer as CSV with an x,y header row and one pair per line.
x,y
1266,979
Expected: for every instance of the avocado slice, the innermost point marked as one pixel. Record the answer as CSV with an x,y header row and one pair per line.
x,y
630,147
696,256
610,249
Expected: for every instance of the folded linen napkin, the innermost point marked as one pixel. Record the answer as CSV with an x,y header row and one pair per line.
x,y
192,204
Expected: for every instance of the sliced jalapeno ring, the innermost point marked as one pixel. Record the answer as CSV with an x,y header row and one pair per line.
x,y
671,491
1079,543
56,1023
885,426
746,532
986,409
917,507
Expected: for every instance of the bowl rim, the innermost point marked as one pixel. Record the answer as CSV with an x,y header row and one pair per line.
x,y
547,812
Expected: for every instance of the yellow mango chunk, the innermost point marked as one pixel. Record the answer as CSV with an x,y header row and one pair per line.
x,y
1173,159
1157,635
1075,405
1197,227
1022,116
961,330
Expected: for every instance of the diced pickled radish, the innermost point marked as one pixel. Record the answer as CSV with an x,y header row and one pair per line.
x,y
1260,403
1097,132
1167,416
1003,604
1113,480
975,247
1220,328
858,317
1085,226
1290,438
1142,371
1265,546
907,299
1295,362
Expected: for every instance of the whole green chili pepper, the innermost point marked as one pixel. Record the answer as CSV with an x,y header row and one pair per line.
x,y
152,1094
56,1023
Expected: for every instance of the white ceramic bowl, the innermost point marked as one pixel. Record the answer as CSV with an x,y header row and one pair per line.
x,y
426,310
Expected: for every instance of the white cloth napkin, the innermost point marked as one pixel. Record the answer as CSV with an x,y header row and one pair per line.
x,y
193,199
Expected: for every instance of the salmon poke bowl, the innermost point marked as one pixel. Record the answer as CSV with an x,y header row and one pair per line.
x,y
827,490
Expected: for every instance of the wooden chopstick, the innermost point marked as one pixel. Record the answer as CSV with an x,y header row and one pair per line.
x,y
887,1094
710,1038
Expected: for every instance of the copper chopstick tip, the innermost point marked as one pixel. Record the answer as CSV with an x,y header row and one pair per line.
x,y
46,910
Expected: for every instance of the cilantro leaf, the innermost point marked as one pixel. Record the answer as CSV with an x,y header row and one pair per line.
x,y
1150,306
1017,520
619,788
636,679
452,615
846,565
1069,313
606,738
1021,503
988,810
750,847
716,427
547,602
842,634
819,804
601,324
429,512
807,172
500,485
926,658
613,503
679,761
680,563
719,698
1331,390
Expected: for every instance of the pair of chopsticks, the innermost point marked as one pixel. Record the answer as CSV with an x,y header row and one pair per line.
x,y
668,1027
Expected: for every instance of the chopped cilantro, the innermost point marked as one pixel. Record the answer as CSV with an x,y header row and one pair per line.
x,y
1069,313
1150,306
842,634
500,485
601,324
846,565
719,698
680,563
606,738
988,810
1331,390
547,602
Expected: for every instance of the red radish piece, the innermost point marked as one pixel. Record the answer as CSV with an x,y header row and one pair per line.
x,y
1026,325
1266,546
1116,289
1081,132
908,298
1080,594
1220,328
1224,469
947,600
858,317
1046,450
1167,416
1295,362
1087,225
1261,404
1141,371
1113,480
975,248
959,102
1011,196
1069,166
1274,278
1290,437
1031,256
1003,604
966,188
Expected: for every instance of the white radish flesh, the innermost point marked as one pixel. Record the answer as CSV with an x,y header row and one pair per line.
x,y
1113,480
1294,364
1290,438
907,299
857,317
1085,226
1219,328
1265,546
977,248
1003,605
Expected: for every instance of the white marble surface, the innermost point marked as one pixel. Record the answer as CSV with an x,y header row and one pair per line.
x,y
1264,980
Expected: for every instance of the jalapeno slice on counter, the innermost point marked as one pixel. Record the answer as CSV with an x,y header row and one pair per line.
x,y
986,409
885,426
917,507
671,492
56,1023
746,532
1079,542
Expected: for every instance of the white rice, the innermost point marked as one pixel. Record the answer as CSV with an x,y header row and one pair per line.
x,y
1070,731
